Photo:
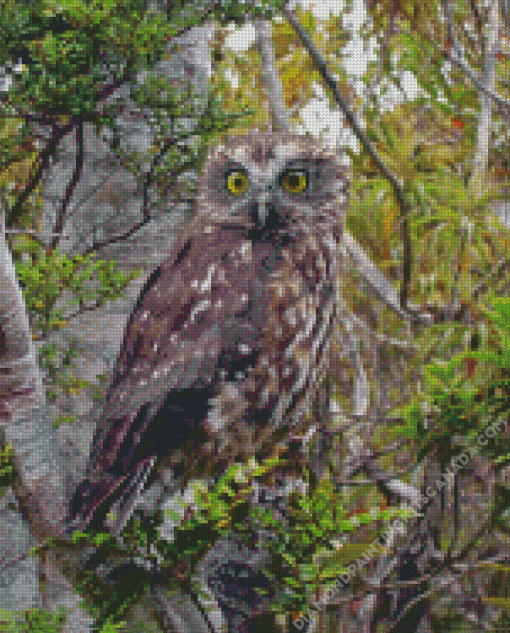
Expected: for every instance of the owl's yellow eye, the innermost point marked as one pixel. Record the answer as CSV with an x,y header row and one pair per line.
x,y
237,182
295,181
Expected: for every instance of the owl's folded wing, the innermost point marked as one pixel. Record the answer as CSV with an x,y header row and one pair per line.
x,y
164,378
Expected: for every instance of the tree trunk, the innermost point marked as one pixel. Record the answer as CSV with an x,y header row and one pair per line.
x,y
481,155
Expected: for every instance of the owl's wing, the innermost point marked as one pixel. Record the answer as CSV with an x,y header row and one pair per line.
x,y
164,379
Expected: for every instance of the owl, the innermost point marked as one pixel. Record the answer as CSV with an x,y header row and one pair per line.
x,y
228,341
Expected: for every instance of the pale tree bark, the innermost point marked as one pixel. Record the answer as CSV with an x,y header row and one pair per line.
x,y
35,455
279,116
481,155
39,499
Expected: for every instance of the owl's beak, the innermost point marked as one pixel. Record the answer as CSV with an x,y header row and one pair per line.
x,y
262,209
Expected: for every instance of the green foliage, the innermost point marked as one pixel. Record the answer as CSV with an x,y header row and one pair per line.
x,y
303,546
88,281
64,46
294,67
59,369
32,620
7,471
314,522
465,381
57,288
240,11
305,549
40,621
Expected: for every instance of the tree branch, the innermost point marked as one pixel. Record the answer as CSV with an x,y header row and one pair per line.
x,y
270,81
59,224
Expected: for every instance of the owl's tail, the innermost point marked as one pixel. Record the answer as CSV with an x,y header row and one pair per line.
x,y
94,501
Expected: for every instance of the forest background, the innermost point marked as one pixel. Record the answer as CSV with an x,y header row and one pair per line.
x,y
107,110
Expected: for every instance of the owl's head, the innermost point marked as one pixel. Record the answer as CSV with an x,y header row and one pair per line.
x,y
273,184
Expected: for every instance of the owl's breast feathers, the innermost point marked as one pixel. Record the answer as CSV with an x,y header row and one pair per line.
x,y
223,347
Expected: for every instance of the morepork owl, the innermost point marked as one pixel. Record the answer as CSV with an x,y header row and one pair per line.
x,y
227,343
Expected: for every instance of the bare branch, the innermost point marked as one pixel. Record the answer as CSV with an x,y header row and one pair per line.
x,y
43,162
481,155
272,84
146,215
59,224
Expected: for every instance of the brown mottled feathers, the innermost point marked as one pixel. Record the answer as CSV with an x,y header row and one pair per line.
x,y
226,344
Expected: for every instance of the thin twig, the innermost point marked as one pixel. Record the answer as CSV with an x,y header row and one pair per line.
x,y
78,168
43,164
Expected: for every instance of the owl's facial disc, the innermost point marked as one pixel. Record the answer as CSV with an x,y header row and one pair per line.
x,y
261,190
